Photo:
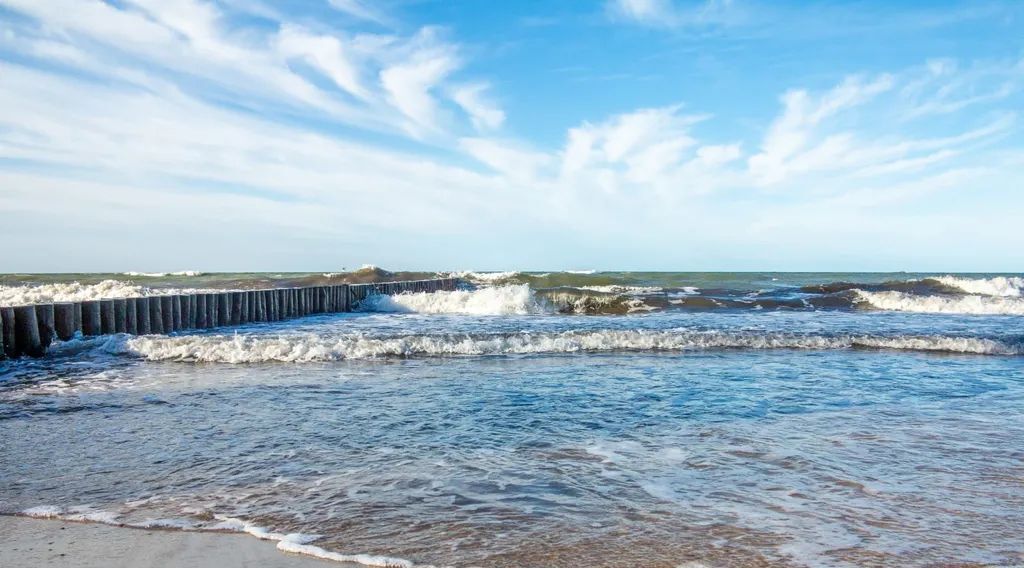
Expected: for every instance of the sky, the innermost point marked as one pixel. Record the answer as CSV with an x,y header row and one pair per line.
x,y
307,135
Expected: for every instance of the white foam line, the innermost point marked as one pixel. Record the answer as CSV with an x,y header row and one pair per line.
x,y
294,543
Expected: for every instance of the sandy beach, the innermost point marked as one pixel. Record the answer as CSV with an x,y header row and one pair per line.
x,y
36,543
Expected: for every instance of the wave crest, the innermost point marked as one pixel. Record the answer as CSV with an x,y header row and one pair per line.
x,y
78,292
313,348
497,300
1006,286
972,304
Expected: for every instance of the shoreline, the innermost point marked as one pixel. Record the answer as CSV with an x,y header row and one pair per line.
x,y
27,542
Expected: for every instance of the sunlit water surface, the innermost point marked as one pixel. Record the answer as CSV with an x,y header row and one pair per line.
x,y
617,457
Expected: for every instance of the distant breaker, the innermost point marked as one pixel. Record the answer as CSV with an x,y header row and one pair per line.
x,y
611,293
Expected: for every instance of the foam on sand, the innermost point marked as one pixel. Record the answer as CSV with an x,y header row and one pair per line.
x,y
313,348
295,543
971,304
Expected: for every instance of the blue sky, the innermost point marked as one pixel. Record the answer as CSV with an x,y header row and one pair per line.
x,y
627,134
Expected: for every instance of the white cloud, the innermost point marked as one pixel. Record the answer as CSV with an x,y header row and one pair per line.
x,y
484,113
670,13
360,10
327,54
411,82
175,111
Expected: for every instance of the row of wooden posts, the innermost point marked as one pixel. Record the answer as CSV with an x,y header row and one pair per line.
x,y
29,330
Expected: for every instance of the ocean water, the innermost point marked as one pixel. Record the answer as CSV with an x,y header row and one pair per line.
x,y
561,419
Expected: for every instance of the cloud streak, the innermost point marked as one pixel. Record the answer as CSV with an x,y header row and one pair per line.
x,y
176,114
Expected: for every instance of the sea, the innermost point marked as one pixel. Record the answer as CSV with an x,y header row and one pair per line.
x,y
562,419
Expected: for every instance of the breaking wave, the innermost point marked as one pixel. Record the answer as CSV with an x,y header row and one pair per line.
x,y
970,304
312,348
1006,286
163,274
498,300
78,292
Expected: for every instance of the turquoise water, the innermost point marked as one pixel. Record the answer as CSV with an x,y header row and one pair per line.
x,y
490,427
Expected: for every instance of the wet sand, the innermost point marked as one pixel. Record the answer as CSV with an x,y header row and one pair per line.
x,y
38,543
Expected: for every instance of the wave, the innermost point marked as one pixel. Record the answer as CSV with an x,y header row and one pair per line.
x,y
163,274
971,304
481,277
312,348
295,543
78,292
1006,286
498,300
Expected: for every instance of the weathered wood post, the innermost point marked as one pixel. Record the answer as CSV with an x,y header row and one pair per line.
x,y
45,316
167,308
250,304
237,307
260,308
176,311
3,354
212,310
187,320
224,308
64,321
131,316
92,323
120,315
106,316
156,314
78,316
10,342
26,331
193,310
200,309
142,318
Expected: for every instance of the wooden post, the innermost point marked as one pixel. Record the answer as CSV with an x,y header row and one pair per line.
x,y
26,331
199,302
45,316
92,324
224,308
186,312
282,300
64,321
120,315
176,312
106,316
10,342
261,304
3,354
237,307
212,310
142,316
156,314
193,310
250,303
167,308
131,316
78,316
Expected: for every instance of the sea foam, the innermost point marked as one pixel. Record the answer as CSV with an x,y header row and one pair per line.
x,y
971,304
1007,286
295,543
164,274
78,292
497,300
311,348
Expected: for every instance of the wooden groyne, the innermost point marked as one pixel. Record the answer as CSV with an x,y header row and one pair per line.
x,y
29,330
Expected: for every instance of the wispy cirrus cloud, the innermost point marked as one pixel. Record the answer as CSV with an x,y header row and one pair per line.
x,y
146,113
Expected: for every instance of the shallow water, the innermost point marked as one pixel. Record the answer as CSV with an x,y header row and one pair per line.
x,y
726,437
